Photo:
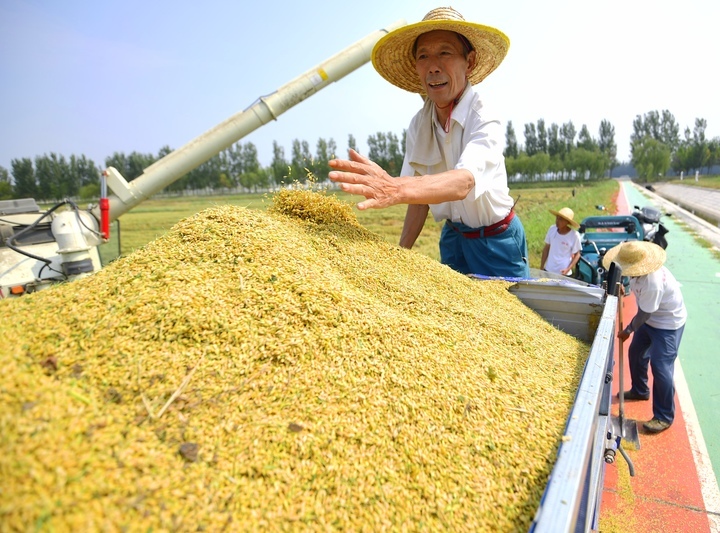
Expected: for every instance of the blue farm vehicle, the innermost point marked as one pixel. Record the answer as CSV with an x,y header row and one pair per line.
x,y
599,234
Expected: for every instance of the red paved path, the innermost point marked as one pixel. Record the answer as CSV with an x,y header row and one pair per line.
x,y
664,495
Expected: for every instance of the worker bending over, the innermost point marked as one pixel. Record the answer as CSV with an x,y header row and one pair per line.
x,y
657,327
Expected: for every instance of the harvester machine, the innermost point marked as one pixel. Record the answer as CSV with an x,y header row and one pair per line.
x,y
41,247
598,235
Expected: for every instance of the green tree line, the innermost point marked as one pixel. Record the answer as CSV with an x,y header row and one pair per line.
x,y
656,146
558,152
554,152
52,177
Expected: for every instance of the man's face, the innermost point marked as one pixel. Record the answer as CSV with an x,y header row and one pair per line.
x,y
442,66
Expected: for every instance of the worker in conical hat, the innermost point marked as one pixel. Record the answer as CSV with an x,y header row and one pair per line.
x,y
657,328
562,244
454,165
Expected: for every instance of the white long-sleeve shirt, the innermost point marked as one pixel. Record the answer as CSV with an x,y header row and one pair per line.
x,y
473,143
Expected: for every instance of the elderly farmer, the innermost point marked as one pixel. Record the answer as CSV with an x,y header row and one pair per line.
x,y
562,244
657,327
454,164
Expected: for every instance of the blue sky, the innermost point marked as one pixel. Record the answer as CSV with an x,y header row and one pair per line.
x,y
98,77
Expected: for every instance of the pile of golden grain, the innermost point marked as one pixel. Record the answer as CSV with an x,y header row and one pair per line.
x,y
280,370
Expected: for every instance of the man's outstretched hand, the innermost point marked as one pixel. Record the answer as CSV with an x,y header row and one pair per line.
x,y
361,176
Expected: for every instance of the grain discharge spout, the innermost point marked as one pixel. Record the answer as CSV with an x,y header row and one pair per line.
x,y
62,243
266,108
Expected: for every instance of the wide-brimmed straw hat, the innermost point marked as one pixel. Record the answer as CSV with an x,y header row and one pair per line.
x,y
568,215
635,258
393,58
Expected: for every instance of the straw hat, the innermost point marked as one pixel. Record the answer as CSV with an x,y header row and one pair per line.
x,y
393,58
567,214
636,258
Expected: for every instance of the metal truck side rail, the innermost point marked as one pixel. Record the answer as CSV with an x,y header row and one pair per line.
x,y
181,161
571,499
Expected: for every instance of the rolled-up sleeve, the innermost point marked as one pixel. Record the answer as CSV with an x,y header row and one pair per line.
x,y
482,154
474,144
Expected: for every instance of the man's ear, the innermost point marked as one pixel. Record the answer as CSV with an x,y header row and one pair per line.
x,y
472,59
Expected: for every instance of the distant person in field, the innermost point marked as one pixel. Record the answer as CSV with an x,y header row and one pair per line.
x,y
454,165
562,244
657,328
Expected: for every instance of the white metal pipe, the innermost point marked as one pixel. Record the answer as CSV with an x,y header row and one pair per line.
x,y
181,161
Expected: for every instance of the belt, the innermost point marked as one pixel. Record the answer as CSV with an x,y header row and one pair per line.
x,y
486,231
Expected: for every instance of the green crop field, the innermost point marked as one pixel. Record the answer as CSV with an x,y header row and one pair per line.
x,y
154,217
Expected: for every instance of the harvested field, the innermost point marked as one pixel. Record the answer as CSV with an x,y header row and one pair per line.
x,y
283,370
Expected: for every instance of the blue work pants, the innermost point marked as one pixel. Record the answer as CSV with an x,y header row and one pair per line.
x,y
659,349
502,255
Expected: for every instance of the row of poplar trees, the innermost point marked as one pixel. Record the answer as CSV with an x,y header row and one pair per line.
x,y
656,148
554,152
54,177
